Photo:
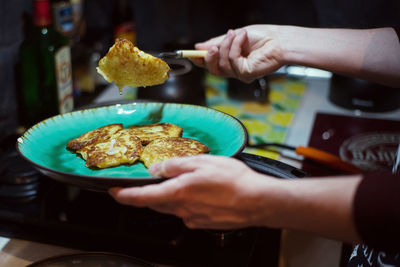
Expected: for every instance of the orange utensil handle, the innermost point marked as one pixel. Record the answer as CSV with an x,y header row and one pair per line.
x,y
327,159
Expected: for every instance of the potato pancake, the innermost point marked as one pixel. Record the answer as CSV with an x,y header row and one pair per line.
x,y
150,132
93,136
112,145
123,147
171,147
125,64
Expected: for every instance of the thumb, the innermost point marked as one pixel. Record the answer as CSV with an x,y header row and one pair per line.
x,y
198,61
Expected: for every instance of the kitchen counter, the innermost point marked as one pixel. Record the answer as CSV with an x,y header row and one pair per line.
x,y
20,253
298,249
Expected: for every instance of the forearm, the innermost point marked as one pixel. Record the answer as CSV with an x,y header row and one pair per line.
x,y
372,54
321,205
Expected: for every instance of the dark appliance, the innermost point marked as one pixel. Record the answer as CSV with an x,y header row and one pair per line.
x,y
353,93
257,90
185,85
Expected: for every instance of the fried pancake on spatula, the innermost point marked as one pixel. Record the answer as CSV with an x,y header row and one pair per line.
x,y
171,147
123,147
94,136
125,64
150,132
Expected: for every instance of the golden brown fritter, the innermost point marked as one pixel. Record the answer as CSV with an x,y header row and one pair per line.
x,y
125,64
171,147
150,132
93,136
112,145
123,147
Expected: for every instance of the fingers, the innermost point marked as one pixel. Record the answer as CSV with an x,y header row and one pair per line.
x,y
210,43
158,198
212,61
165,192
206,224
200,61
218,60
169,168
224,63
146,196
212,47
176,166
240,45
238,52
133,195
199,194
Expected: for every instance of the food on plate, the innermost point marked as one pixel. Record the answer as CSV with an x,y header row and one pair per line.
x,y
171,147
113,145
150,132
122,147
125,64
93,136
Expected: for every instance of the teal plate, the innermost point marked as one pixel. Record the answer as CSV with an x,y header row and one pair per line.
x,y
44,145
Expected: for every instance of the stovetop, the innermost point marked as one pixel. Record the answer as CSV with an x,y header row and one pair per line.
x,y
37,208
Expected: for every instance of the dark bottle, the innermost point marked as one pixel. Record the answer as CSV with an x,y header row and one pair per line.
x,y
46,75
63,16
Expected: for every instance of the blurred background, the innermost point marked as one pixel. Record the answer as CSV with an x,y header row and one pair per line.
x,y
154,25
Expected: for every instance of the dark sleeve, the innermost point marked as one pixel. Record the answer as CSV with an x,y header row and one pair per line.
x,y
377,211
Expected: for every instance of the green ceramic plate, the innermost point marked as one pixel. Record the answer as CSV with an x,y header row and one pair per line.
x,y
44,145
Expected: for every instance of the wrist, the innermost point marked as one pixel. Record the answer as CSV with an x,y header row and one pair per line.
x,y
272,202
291,40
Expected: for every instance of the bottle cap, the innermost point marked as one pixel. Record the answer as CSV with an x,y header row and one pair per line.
x,y
42,13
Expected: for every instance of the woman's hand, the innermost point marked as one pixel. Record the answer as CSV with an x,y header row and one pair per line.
x,y
246,54
257,50
215,192
211,192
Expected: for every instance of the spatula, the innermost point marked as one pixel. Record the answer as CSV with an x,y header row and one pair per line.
x,y
183,54
317,155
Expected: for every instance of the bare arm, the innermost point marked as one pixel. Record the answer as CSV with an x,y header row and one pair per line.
x,y
322,206
257,50
372,54
214,192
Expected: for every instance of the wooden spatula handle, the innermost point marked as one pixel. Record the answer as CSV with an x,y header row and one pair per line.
x,y
193,53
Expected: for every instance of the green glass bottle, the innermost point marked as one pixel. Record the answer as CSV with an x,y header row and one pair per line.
x,y
45,69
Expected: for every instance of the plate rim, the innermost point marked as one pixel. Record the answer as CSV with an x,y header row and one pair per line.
x,y
127,179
